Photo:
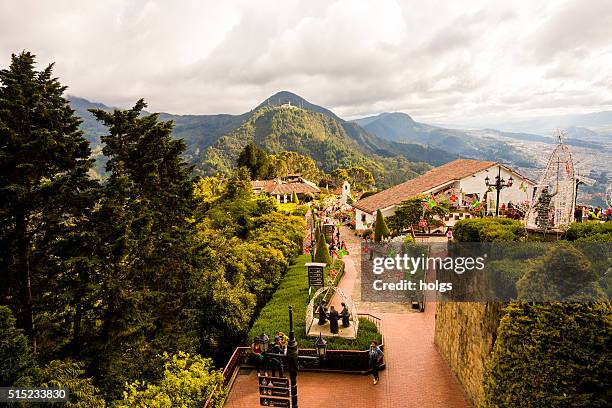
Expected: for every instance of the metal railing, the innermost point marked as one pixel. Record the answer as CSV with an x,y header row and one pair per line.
x,y
240,353
233,364
378,322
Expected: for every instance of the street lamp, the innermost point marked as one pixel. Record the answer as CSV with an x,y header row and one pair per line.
x,y
292,358
499,185
578,182
321,346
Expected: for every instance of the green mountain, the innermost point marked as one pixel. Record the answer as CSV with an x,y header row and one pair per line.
x,y
311,133
213,141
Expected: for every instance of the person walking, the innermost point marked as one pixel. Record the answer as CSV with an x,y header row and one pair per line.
x,y
375,356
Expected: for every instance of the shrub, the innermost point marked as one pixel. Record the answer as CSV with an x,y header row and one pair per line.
x,y
381,231
592,231
488,230
187,382
322,250
551,355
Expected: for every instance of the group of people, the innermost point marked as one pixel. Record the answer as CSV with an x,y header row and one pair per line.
x,y
590,213
333,316
273,357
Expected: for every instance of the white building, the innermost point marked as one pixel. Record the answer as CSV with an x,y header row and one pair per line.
x,y
465,179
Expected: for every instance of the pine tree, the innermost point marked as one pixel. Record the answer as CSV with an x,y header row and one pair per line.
x,y
256,161
146,252
381,231
322,250
44,160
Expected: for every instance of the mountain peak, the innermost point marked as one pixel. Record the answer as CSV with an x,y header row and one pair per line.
x,y
283,97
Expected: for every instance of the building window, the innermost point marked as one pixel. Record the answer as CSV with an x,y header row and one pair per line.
x,y
363,218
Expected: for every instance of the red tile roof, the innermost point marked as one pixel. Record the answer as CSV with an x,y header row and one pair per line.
x,y
452,171
290,188
275,187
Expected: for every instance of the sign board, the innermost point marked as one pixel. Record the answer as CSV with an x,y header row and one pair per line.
x,y
273,381
274,402
274,391
315,274
329,232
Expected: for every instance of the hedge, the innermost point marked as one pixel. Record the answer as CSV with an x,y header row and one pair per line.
x,y
293,290
551,355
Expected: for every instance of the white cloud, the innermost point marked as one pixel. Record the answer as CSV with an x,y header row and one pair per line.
x,y
455,62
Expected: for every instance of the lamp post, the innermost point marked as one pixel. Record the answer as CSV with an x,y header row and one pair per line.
x,y
321,346
499,185
578,182
292,360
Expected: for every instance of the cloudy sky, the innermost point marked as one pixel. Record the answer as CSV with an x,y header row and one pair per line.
x,y
440,61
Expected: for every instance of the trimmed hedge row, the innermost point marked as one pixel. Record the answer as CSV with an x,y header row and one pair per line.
x,y
551,355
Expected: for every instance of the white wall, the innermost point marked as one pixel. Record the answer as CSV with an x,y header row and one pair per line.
x,y
476,184
471,185
370,218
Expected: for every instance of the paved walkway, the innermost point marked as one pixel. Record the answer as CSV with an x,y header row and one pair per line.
x,y
416,375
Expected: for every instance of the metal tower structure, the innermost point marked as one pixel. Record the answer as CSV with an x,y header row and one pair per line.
x,y
553,205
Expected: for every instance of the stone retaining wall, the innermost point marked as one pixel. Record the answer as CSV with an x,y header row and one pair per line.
x,y
465,333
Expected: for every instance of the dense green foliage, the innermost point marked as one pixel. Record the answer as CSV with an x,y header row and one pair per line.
x,y
18,366
563,272
293,290
551,355
256,162
554,354
411,211
488,229
187,381
44,160
107,280
71,375
359,177
590,231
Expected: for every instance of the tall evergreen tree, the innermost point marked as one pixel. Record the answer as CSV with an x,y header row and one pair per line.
x,y
257,162
381,231
322,250
44,160
145,231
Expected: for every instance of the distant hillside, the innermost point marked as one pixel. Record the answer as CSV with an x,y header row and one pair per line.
x,y
574,137
601,122
203,131
310,133
400,127
198,131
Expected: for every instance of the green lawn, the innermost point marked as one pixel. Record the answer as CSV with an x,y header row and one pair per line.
x,y
293,290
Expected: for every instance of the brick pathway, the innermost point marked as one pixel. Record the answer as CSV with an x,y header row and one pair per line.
x,y
416,375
